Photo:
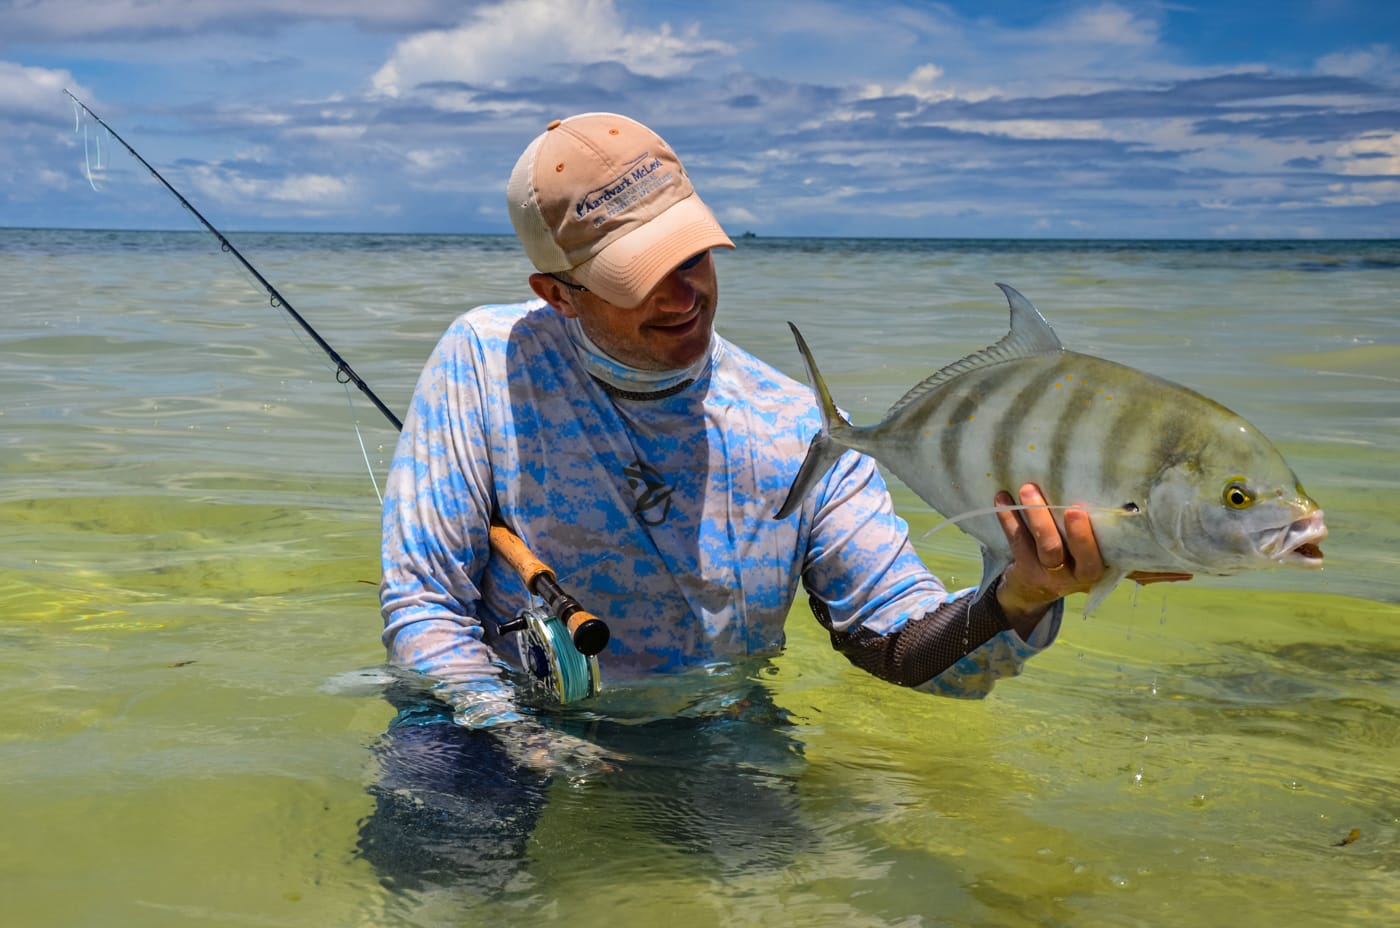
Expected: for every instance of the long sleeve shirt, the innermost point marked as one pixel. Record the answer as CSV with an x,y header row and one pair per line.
x,y
652,497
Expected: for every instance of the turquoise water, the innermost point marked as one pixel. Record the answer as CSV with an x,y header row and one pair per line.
x,y
189,642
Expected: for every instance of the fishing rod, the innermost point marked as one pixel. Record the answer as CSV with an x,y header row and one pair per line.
x,y
344,373
543,651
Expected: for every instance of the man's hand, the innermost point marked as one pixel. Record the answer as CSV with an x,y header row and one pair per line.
x,y
546,751
1049,565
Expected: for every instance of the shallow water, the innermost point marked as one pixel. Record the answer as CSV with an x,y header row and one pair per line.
x,y
189,642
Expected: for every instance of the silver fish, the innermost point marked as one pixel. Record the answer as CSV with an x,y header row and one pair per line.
x,y
1173,480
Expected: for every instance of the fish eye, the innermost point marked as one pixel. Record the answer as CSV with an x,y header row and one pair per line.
x,y
1237,495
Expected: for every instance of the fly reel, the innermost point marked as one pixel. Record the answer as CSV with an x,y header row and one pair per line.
x,y
559,645
550,657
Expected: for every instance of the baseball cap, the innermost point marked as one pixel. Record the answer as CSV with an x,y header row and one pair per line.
x,y
604,198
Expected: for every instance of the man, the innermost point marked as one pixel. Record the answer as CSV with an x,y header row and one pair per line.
x,y
642,456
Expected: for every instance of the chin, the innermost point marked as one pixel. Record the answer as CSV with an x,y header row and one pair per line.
x,y
689,357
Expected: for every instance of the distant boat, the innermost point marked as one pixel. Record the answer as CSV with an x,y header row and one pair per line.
x,y
748,235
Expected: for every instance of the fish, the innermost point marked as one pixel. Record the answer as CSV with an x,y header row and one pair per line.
x,y
1174,481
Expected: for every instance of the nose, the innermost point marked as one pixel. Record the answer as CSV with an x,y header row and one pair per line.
x,y
674,294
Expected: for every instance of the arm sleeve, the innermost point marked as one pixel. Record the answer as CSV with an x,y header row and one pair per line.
x,y
960,649
887,613
436,519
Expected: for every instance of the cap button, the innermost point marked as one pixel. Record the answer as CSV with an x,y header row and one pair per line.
x,y
554,125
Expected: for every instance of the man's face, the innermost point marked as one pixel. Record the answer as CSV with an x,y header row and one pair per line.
x,y
669,330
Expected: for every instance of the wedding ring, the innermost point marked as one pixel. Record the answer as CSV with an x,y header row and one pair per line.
x,y
1056,569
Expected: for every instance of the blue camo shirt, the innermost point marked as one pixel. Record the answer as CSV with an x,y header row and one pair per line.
x,y
657,514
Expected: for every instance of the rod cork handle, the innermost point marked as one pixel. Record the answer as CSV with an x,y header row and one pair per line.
x,y
521,559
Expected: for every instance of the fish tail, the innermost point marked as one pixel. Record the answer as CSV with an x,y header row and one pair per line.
x,y
821,454
824,449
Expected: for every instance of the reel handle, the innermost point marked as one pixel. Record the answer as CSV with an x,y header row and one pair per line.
x,y
589,633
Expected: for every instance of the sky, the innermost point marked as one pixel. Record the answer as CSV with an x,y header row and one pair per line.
x,y
985,118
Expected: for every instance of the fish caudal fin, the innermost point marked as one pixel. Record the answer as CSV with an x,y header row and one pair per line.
x,y
823,451
821,454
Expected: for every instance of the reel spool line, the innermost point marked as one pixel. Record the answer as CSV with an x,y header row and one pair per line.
x,y
549,656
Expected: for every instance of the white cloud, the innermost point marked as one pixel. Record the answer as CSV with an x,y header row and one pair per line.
x,y
33,91
923,84
1377,153
1037,128
514,38
1108,24
738,215
1077,51
1378,62
428,161
305,194
1354,194
349,133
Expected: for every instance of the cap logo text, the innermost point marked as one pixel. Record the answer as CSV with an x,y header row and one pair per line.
x,y
637,180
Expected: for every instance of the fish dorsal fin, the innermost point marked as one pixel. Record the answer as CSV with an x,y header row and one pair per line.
x,y
1029,337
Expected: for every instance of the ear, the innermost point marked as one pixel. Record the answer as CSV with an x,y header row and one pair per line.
x,y
555,294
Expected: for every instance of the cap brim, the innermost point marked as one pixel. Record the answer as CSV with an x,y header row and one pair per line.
x,y
628,269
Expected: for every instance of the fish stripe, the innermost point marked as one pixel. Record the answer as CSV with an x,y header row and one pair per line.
x,y
1129,434
1106,416
1007,444
1072,422
952,444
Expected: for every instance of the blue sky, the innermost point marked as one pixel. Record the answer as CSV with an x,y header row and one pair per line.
x,y
991,118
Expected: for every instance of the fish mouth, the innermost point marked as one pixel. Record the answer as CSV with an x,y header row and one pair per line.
x,y
1298,544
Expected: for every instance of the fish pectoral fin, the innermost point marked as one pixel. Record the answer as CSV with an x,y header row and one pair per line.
x,y
1099,592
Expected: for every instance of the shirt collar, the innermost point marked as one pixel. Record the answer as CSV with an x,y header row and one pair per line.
x,y
633,381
